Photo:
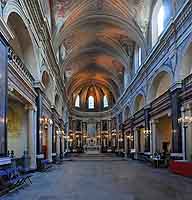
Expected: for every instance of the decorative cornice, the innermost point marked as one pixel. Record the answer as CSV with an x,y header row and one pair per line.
x,y
5,31
157,54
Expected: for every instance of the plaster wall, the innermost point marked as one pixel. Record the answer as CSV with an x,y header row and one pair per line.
x,y
17,128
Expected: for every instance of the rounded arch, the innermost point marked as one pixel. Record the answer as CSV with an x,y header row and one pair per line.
x,y
183,51
157,20
131,27
45,79
186,62
91,102
77,101
13,6
159,84
23,43
139,102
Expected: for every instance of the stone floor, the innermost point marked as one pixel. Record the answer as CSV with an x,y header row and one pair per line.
x,y
105,180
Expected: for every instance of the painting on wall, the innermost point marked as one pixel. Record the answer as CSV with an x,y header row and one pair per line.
x,y
91,130
60,9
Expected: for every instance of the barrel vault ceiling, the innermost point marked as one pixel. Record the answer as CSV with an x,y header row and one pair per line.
x,y
95,36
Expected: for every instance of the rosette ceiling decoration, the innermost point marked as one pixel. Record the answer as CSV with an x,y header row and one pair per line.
x,y
93,38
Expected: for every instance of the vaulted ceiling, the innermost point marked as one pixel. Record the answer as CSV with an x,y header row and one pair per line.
x,y
95,35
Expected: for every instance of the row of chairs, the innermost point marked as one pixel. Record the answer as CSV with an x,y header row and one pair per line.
x,y
11,178
45,165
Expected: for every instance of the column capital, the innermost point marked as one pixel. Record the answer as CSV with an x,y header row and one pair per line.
x,y
38,86
176,86
154,121
147,107
31,107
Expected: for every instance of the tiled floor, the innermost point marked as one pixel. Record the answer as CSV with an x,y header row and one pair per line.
x,y
105,180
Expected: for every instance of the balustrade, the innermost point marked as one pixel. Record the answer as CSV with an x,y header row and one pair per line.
x,y
187,81
19,66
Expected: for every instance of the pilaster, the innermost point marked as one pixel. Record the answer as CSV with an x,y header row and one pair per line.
x,y
32,115
50,135
176,114
153,137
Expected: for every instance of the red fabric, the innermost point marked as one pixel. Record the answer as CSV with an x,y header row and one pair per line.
x,y
182,168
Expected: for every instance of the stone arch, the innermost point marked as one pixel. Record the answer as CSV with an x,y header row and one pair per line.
x,y
45,79
154,20
159,84
23,43
139,102
185,68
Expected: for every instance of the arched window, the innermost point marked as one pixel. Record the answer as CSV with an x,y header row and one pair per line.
x,y
77,102
139,56
91,102
160,20
105,102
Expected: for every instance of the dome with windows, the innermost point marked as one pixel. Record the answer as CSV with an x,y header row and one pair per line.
x,y
93,98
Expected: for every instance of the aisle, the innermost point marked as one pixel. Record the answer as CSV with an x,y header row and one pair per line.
x,y
121,180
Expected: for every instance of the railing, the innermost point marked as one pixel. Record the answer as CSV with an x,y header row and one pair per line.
x,y
187,81
94,114
19,65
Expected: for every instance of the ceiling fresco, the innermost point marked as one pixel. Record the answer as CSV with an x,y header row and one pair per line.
x,y
99,34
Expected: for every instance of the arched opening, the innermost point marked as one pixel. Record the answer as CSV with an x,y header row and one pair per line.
x,y
139,102
45,79
137,58
160,85
186,68
91,102
77,102
22,43
157,21
105,102
160,19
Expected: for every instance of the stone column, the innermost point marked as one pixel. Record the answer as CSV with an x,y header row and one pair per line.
x,y
58,143
63,144
32,115
53,137
153,136
125,144
135,142
189,137
147,128
50,139
186,139
39,112
175,115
